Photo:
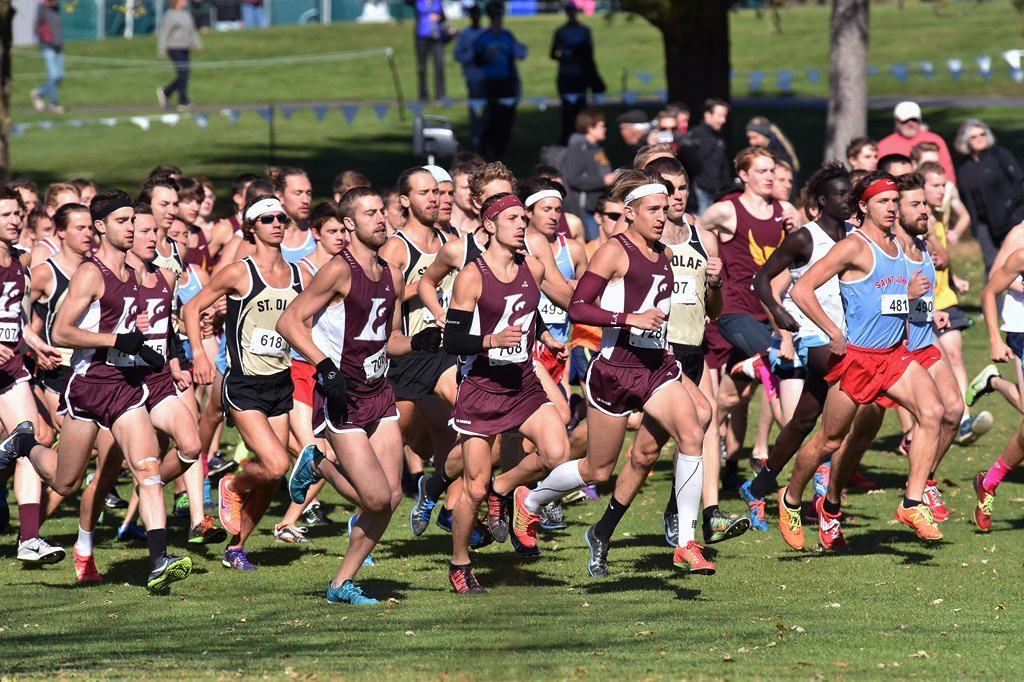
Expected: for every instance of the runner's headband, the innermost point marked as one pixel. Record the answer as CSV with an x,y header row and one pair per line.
x,y
645,191
263,206
541,196
440,174
500,205
122,202
877,187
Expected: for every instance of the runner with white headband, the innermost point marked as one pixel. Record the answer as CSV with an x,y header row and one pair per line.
x,y
635,371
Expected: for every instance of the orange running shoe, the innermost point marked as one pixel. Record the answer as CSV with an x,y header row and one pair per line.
x,y
85,568
933,498
524,524
919,517
790,525
983,510
830,533
691,558
230,507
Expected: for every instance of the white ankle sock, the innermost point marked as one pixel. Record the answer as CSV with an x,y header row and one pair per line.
x,y
84,544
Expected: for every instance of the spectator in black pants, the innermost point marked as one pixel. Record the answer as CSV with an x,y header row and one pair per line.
x,y
431,37
178,35
495,52
990,183
573,48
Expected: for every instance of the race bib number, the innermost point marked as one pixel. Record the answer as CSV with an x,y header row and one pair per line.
x,y
684,290
895,304
267,342
116,358
10,332
376,365
644,338
516,355
922,310
551,313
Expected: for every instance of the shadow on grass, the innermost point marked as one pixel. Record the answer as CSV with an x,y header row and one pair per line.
x,y
879,541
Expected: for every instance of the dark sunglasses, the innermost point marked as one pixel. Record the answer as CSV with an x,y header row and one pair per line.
x,y
269,218
611,215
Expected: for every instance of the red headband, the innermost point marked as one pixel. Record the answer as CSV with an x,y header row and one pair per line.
x,y
877,187
500,205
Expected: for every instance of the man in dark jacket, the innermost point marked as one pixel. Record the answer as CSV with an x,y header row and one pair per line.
x,y
707,154
991,184
587,170
51,48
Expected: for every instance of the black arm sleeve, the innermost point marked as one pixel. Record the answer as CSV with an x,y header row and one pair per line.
x,y
541,326
457,339
173,343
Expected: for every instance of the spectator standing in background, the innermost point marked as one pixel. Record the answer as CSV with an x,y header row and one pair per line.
x,y
587,170
178,35
862,154
473,74
432,34
51,47
909,130
990,182
709,154
573,48
634,127
496,52
252,14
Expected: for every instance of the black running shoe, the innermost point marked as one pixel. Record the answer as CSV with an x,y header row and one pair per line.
x,y
551,517
114,501
168,570
17,444
598,564
218,466
315,516
463,580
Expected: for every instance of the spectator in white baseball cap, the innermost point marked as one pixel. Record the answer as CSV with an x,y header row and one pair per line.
x,y
909,131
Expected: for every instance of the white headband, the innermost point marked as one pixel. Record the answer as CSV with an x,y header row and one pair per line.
x,y
645,191
440,174
263,206
541,196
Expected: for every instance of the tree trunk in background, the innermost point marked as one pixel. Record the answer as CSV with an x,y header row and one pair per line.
x,y
848,78
6,30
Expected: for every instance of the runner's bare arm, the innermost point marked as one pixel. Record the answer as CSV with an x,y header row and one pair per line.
x,y
555,287
999,281
448,258
796,247
840,258
226,281
396,252
720,220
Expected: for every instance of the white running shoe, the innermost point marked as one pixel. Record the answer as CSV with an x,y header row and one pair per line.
x,y
39,551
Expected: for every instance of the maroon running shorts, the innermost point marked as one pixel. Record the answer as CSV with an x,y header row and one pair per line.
x,y
483,413
618,390
361,412
101,402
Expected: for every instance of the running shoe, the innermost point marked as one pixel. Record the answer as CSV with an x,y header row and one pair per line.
x,y
933,498
756,368
919,518
291,535
17,444
981,384
821,478
315,516
830,532
236,558
463,580
218,466
522,550
444,520
130,532
790,523
756,507
672,529
757,464
524,524
983,510
497,515
481,536
903,449
169,569
303,476
230,507
85,568
114,501
348,593
368,561
552,517
205,533
720,527
691,558
422,508
973,427
597,566
37,551
180,510
859,481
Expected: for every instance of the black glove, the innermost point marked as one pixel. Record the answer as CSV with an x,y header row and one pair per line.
x,y
129,343
330,382
428,340
151,357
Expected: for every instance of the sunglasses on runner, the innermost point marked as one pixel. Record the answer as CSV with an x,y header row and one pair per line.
x,y
611,215
269,218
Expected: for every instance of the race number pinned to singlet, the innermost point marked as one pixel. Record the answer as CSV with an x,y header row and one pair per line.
x,y
645,338
551,313
267,342
376,365
922,310
895,304
684,290
444,298
515,355
10,332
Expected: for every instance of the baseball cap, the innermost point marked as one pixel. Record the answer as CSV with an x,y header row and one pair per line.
x,y
905,111
633,116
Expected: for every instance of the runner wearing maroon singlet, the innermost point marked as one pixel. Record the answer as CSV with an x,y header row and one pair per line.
x,y
358,325
106,390
635,370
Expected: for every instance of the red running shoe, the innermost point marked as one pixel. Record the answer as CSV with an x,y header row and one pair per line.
x,y
983,510
691,558
85,568
933,498
524,524
830,533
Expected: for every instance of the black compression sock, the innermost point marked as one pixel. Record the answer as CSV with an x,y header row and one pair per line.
x,y
436,485
830,507
764,481
908,503
931,475
612,515
672,507
157,540
709,512
732,467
